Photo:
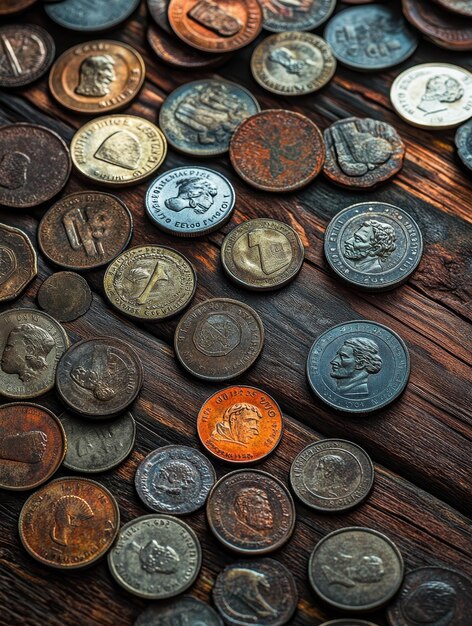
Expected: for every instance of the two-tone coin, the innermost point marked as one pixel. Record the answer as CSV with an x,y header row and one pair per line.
x,y
442,27
18,263
77,14
289,15
65,296
187,609
463,140
26,54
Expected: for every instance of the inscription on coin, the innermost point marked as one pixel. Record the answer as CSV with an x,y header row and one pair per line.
x,y
26,52
18,264
88,16
185,611
291,15
65,296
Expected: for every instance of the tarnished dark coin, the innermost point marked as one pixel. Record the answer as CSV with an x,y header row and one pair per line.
x,y
356,569
432,596
199,117
65,296
461,7
18,263
8,7
358,367
349,621
156,557
262,254
85,230
190,201
251,512
88,15
290,15
99,377
332,475
373,245
97,446
463,141
34,165
32,446
174,480
442,27
31,344
158,11
219,339
26,53
261,592
186,611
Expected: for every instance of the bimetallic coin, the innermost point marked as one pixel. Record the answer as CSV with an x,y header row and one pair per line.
x,y
18,263
8,7
26,53
373,245
356,569
290,15
155,557
88,16
463,141
174,480
65,296
461,7
186,610
442,27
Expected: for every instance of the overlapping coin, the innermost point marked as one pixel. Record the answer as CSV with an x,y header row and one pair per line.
x,y
183,609
443,28
77,15
28,51
463,142
18,263
65,296
290,15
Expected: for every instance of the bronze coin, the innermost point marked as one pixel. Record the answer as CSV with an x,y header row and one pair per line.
x,y
277,150
26,53
85,230
35,165
65,296
69,523
158,10
18,264
7,7
444,28
461,7
32,446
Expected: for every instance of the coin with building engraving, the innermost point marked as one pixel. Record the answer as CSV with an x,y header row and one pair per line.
x,y
88,15
295,15
463,142
8,7
187,610
18,263
65,296
442,27
26,53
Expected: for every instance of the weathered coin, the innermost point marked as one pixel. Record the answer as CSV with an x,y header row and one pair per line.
x,y
150,282
158,11
26,53
262,254
156,557
199,117
373,245
118,150
99,377
190,201
219,339
69,523
277,150
463,141
18,263
251,512
65,296
358,366
188,611
88,16
349,621
462,7
295,15
31,344
32,446
34,165
261,592
7,7
356,569
174,480
433,95
441,27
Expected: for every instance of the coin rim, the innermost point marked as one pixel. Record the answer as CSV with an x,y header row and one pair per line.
x,y
34,270
284,28
82,281
49,45
133,5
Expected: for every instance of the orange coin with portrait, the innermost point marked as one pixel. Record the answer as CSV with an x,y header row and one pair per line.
x,y
240,424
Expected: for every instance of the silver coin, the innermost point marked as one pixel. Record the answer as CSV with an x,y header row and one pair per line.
x,y
290,15
463,141
89,15
186,611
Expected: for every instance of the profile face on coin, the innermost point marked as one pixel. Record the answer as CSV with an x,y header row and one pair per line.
x,y
295,15
463,141
186,609
30,53
18,263
77,14
65,296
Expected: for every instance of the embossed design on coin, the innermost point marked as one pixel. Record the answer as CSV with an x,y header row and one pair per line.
x,y
463,142
442,27
183,610
69,512
18,264
65,296
292,15
26,52
88,16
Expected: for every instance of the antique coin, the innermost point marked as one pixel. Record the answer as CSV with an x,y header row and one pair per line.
x,y
433,596
185,611
369,38
65,296
156,557
349,621
69,523
293,63
26,52
8,7
462,7
174,480
18,264
31,344
85,230
251,512
34,165
219,339
118,150
97,77
199,117
290,15
332,475
433,95
373,245
190,201
358,366
362,152
356,569
158,11
463,141
99,377
262,254
150,282
88,15
277,150
261,592
32,446
442,27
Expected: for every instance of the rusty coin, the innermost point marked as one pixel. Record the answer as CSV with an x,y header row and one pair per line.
x,y
277,150
7,7
65,296
26,53
69,523
83,16
18,264
295,15
462,7
158,10
443,28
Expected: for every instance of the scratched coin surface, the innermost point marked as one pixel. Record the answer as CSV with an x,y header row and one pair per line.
x,y
26,53
69,523
18,263
188,611
32,446
156,557
88,15
356,569
443,28
462,7
65,296
8,7
295,15
463,142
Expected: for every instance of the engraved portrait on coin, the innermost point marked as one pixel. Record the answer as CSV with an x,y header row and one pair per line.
x,y
239,424
96,73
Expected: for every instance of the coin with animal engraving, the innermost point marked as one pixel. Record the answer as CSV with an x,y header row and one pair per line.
x,y
186,610
88,15
69,523
8,7
65,296
463,142
356,569
442,27
18,263
26,53
261,592
199,117
158,12
156,557
461,7
295,15
99,377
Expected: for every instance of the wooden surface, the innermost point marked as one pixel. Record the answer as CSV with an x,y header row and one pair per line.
x,y
420,445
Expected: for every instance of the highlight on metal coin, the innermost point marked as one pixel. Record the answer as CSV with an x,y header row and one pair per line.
x,y
186,609
292,15
27,52
443,28
8,7
18,262
77,14
158,11
65,296
463,141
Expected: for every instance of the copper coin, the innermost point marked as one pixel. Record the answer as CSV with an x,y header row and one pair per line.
x,y
26,52
277,150
211,26
69,523
240,424
251,512
158,10
32,446
7,7
18,264
34,165
462,7
444,28
65,296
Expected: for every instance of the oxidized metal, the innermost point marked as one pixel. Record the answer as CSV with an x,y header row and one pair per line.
x,y
26,52
442,27
188,611
461,7
158,11
8,7
463,140
295,15
65,296
88,16
18,263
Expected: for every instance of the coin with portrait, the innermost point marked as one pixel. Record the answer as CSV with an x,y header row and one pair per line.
x,y
65,296
187,609
18,262
295,15
84,17
463,140
26,54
